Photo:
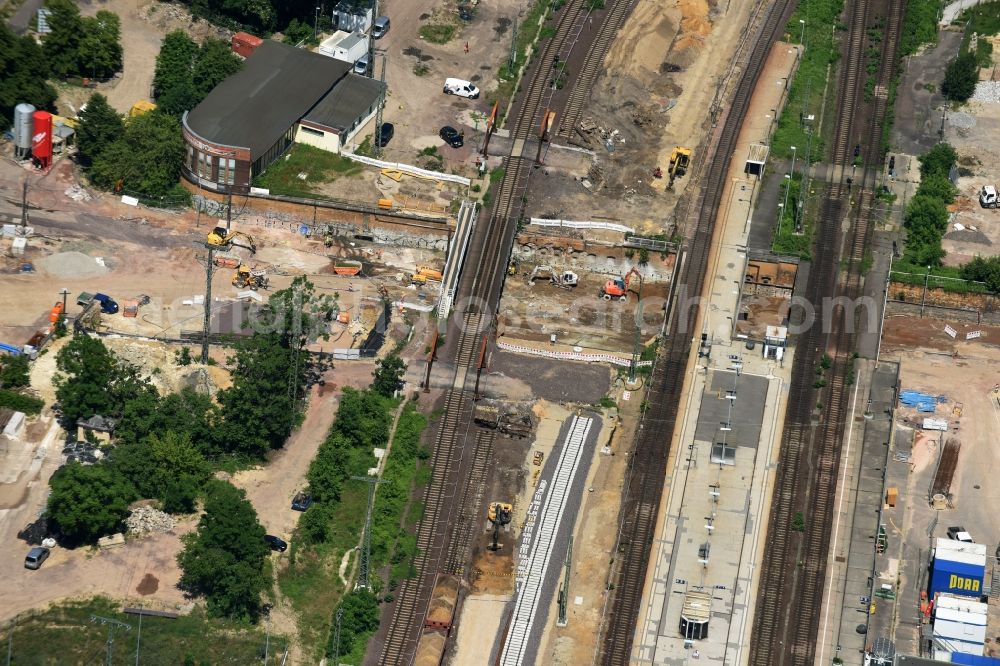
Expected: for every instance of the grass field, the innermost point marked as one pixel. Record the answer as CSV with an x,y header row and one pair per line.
x,y
65,634
319,166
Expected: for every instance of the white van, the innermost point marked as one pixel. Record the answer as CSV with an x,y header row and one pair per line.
x,y
461,88
380,27
988,197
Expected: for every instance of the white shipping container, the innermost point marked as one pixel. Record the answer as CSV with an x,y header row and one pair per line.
x,y
935,424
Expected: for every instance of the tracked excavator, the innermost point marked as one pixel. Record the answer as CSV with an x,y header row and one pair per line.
x,y
500,514
222,238
250,278
617,288
563,279
680,160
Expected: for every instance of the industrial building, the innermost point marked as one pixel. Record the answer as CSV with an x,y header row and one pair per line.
x,y
958,567
280,96
959,626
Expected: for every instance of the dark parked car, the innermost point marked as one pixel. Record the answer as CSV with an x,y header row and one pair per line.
x,y
465,12
301,502
388,129
275,543
452,136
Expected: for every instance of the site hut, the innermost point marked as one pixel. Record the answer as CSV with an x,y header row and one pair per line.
x,y
252,117
99,427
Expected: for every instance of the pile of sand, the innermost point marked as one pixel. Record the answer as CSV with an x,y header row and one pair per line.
x,y
72,265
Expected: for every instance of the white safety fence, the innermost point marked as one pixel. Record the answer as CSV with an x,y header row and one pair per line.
x,y
538,541
408,168
570,356
573,224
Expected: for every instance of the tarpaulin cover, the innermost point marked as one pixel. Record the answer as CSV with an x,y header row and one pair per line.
x,y
924,402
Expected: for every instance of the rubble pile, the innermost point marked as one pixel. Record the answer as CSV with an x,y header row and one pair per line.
x,y
987,91
147,520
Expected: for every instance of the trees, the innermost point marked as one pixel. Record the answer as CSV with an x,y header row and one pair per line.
x,y
87,502
961,77
938,187
389,375
100,51
224,559
166,466
187,413
146,160
25,70
938,161
984,270
14,372
361,617
84,46
99,127
92,380
185,73
926,221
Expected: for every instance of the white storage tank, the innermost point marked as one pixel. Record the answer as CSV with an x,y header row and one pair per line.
x,y
23,128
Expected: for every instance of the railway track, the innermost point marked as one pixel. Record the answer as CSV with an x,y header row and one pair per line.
x,y
793,577
647,465
443,532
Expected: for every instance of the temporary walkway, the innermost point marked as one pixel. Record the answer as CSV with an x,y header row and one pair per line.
x,y
456,257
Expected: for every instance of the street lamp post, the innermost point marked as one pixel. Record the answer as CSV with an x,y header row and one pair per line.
x,y
802,33
316,23
923,298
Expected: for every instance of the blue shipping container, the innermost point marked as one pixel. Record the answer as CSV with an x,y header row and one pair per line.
x,y
956,577
973,659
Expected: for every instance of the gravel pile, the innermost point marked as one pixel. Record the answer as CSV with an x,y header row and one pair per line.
x,y
963,120
146,520
987,91
71,265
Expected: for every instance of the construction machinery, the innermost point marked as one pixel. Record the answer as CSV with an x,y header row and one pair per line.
x,y
426,274
680,160
220,237
563,279
250,278
617,288
512,266
500,514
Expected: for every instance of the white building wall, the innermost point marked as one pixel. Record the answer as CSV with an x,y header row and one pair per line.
x,y
324,140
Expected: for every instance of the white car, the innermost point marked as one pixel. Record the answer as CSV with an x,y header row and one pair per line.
x,y
460,88
988,197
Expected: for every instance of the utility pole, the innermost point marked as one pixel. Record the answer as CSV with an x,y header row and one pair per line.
x,y
336,637
111,624
633,366
138,637
10,641
229,209
381,101
24,206
206,325
512,56
363,573
564,588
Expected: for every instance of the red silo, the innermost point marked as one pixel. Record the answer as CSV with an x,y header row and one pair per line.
x,y
41,140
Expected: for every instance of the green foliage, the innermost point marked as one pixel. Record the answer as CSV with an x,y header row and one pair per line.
x,y
961,77
100,126
984,269
87,502
938,161
224,559
260,15
298,31
83,46
188,413
798,522
146,160
183,356
388,375
919,25
938,187
321,166
982,19
92,380
438,33
788,239
20,402
166,466
25,70
15,371
185,73
315,526
926,220
360,618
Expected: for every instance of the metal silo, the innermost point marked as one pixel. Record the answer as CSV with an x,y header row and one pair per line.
x,y
23,128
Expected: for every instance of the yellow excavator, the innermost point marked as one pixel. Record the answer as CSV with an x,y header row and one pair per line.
x,y
500,514
220,237
425,274
680,160
250,278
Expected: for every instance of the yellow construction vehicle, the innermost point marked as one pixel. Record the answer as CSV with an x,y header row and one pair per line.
x,y
250,278
512,266
426,274
223,238
500,514
680,160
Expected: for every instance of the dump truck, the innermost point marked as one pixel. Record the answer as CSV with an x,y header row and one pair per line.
x,y
426,274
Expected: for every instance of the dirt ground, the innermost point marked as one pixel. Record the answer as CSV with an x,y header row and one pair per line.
x,y
652,96
416,120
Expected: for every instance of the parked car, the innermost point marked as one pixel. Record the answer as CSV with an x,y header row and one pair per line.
x,y
461,88
958,533
388,129
108,304
275,543
380,27
35,557
452,136
301,502
361,65
465,12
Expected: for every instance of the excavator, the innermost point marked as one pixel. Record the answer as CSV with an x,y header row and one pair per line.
x,y
680,160
250,278
512,266
426,274
617,288
564,279
220,237
500,514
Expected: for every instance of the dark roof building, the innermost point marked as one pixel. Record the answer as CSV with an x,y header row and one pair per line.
x,y
252,117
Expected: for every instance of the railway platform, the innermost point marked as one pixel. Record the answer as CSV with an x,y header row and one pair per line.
x,y
713,512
